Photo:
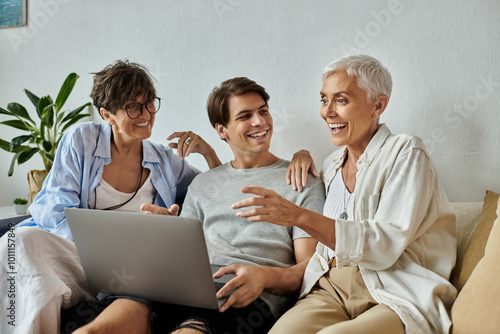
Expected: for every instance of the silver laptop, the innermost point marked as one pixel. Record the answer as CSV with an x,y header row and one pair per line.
x,y
161,258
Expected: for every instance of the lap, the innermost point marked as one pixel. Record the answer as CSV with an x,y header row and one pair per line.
x,y
255,318
339,303
47,274
380,319
316,311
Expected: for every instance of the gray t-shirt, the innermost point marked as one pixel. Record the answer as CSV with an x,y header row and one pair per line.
x,y
234,240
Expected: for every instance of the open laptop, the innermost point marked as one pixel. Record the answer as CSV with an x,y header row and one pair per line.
x,y
161,258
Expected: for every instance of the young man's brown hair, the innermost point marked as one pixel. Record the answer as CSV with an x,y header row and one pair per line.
x,y
218,101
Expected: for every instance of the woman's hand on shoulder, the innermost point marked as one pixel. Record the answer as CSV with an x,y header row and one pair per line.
x,y
301,164
189,142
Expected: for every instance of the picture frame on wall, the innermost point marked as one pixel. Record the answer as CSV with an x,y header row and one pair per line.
x,y
13,13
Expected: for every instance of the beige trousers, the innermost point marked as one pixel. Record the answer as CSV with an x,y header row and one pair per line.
x,y
339,303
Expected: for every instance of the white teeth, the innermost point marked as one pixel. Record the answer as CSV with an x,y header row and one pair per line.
x,y
259,134
142,124
337,125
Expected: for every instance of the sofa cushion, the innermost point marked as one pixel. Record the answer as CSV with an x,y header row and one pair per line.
x,y
477,307
468,214
474,249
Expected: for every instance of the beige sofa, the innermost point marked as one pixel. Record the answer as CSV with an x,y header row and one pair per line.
x,y
477,273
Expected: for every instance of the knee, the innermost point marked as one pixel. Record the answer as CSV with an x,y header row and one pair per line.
x,y
29,235
193,326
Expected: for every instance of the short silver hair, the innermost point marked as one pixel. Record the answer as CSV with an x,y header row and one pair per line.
x,y
370,75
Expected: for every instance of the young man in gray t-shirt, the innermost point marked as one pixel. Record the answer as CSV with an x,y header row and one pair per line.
x,y
268,261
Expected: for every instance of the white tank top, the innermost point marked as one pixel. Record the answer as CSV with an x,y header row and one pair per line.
x,y
107,196
337,201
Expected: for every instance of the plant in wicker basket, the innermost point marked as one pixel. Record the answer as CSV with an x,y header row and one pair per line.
x,y
44,137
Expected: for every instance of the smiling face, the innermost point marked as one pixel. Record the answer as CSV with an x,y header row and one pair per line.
x,y
348,114
249,130
127,129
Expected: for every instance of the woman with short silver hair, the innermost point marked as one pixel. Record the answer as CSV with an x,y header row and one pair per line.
x,y
387,241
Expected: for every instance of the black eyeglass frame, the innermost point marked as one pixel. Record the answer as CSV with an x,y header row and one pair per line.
x,y
143,105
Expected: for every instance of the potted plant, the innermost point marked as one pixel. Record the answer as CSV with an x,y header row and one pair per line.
x,y
42,138
20,205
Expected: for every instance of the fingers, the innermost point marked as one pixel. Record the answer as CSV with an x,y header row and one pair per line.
x,y
173,210
158,210
301,164
314,171
255,201
289,172
242,294
231,285
255,215
185,148
224,271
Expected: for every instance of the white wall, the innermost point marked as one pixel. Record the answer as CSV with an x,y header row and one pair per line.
x,y
443,56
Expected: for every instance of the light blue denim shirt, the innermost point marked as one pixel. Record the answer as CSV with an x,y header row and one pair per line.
x,y
78,165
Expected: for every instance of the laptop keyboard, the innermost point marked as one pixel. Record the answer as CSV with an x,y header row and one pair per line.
x,y
219,285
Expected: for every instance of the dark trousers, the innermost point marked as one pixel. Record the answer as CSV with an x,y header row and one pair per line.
x,y
256,318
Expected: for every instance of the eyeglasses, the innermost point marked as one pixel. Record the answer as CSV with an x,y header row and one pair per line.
x,y
134,110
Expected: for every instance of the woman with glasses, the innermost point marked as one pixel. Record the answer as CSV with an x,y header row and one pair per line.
x,y
109,166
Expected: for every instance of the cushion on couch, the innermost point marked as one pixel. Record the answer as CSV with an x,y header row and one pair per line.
x,y
474,249
477,307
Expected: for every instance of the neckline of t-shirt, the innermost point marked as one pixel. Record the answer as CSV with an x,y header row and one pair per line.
x,y
231,169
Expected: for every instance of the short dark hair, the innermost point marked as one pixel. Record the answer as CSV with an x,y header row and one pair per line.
x,y
218,101
121,82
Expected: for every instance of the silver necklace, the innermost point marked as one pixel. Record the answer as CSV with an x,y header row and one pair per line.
x,y
347,196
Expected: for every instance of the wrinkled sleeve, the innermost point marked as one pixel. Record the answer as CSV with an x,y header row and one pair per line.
x,y
398,214
61,189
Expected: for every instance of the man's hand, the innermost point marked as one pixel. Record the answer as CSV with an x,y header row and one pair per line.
x,y
249,284
158,210
301,164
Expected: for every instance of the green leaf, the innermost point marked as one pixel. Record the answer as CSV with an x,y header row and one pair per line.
x,y
12,163
16,123
74,120
6,112
65,90
18,141
50,157
27,154
42,130
59,117
34,99
4,145
47,145
76,111
19,110
43,103
48,115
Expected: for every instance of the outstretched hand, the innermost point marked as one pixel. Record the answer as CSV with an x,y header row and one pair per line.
x,y
247,285
158,210
267,206
301,164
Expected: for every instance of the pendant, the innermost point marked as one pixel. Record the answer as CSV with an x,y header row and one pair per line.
x,y
343,215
